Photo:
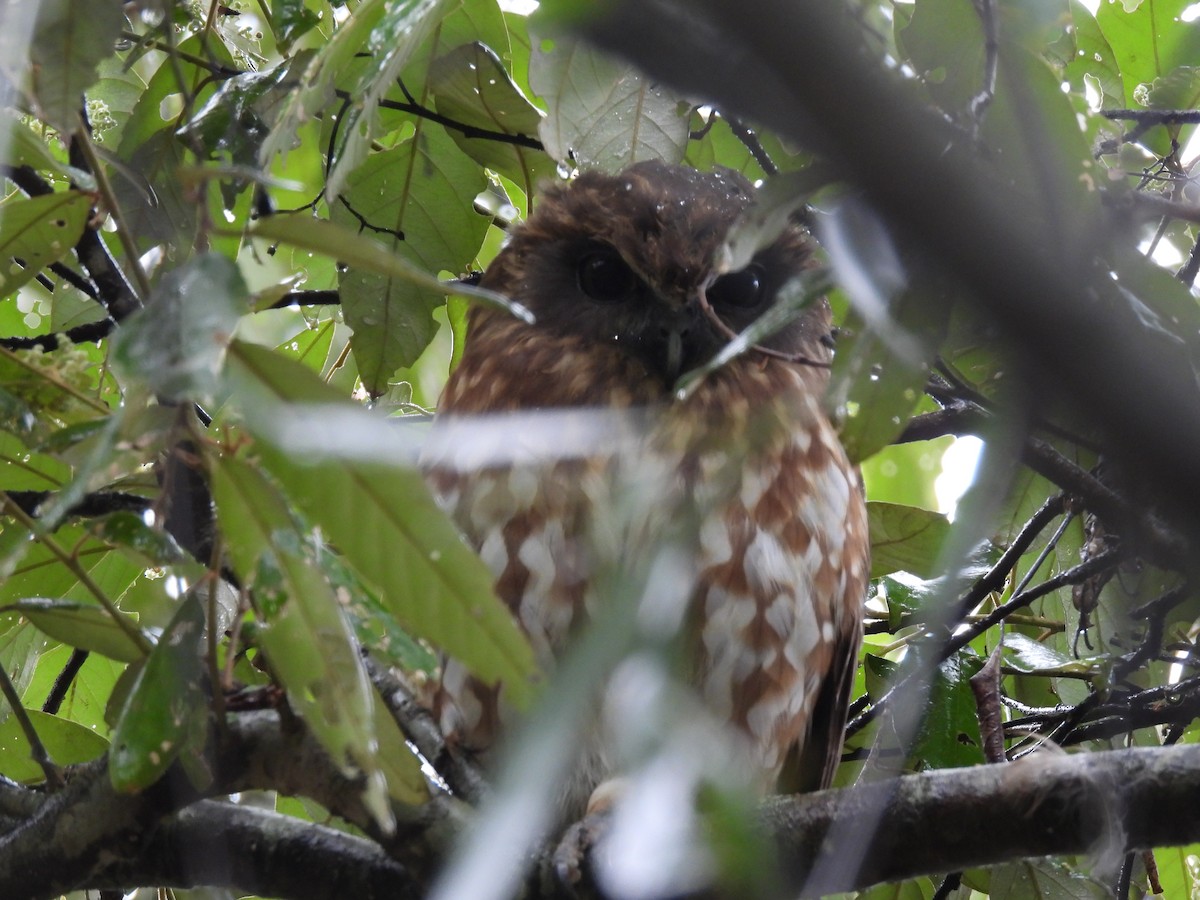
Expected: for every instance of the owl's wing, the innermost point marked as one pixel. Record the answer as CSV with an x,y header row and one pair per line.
x,y
811,763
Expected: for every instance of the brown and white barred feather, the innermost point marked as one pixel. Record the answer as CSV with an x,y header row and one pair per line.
x,y
780,564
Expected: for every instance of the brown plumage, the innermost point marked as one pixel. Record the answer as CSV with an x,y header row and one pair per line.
x,y
612,267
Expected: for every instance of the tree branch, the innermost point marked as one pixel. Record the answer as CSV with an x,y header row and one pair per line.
x,y
951,819
218,844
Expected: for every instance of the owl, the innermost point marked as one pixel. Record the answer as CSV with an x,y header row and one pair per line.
x,y
618,273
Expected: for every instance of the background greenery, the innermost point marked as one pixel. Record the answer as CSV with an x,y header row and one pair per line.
x,y
223,231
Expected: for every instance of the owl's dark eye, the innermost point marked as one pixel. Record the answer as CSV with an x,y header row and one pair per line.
x,y
604,276
743,289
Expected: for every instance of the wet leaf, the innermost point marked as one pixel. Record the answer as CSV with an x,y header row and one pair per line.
x,y
36,231
166,713
66,742
82,625
603,113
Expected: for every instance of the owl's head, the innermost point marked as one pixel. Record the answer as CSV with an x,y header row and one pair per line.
x,y
624,260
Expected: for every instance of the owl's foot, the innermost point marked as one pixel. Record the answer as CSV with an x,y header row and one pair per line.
x,y
572,857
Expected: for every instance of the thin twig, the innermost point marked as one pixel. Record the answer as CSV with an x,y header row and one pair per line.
x,y
459,772
72,564
37,748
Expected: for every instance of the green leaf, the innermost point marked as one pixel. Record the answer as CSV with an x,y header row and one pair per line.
x,y
177,343
950,734
311,346
1178,870
944,43
292,20
406,783
918,889
86,700
82,625
373,622
157,205
369,50
905,539
23,470
422,193
876,385
67,743
1148,39
1044,878
21,651
905,473
232,122
1093,56
70,38
471,86
29,149
36,231
381,517
1037,658
307,640
601,113
357,250
166,712
130,530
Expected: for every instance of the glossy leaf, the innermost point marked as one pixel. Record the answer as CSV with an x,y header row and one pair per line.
x,y
166,713
388,32
471,86
23,470
1044,878
293,20
82,625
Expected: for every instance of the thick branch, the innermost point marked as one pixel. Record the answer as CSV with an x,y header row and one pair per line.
x,y
1043,805
1048,804
89,835
215,844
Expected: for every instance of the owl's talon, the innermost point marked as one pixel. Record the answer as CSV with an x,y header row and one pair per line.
x,y
572,865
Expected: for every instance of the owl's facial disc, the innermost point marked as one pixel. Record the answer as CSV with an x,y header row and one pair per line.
x,y
665,327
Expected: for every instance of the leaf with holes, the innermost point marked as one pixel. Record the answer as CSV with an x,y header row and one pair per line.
x,y
307,640
166,712
37,231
